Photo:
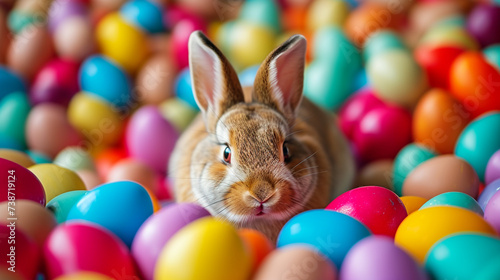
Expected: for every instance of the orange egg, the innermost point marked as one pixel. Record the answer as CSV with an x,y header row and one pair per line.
x,y
155,80
106,159
294,18
438,120
132,170
259,245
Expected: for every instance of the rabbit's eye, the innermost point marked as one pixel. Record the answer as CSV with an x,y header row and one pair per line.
x,y
227,154
286,152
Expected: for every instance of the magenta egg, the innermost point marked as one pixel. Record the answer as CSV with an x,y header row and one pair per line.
x,y
20,183
180,38
20,254
64,9
483,23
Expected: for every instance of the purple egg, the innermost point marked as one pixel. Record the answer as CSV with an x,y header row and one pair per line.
x,y
492,168
64,9
492,211
483,24
487,193
378,258
150,138
157,230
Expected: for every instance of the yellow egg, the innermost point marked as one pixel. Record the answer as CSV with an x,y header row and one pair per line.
x,y
74,39
412,203
95,119
178,113
207,249
420,230
449,36
122,42
327,12
84,275
16,156
56,180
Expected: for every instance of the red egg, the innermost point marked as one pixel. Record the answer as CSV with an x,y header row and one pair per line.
x,y
378,208
20,254
20,183
437,61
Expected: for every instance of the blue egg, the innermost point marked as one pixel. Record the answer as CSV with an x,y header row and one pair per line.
x,y
361,80
184,88
38,158
144,14
247,76
103,78
458,199
381,42
492,54
121,207
7,142
63,203
352,3
10,82
330,232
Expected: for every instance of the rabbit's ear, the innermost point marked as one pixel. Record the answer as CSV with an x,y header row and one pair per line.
x,y
215,83
279,81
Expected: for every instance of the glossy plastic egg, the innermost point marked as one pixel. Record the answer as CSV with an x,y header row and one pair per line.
x,y
422,229
84,276
179,113
122,42
327,13
21,255
206,249
100,76
18,157
150,138
488,193
62,204
296,261
479,141
48,130
184,88
106,158
39,157
155,80
258,244
86,247
436,62
483,23
412,203
492,172
438,120
157,230
378,258
75,158
135,171
90,178
74,38
463,256
458,199
20,183
262,12
492,211
445,173
330,232
144,14
380,42
56,179
11,82
180,38
14,110
377,208
492,54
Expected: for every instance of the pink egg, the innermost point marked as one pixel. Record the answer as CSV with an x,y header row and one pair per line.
x,y
492,211
74,38
90,178
378,208
56,82
20,183
180,37
382,132
133,170
77,246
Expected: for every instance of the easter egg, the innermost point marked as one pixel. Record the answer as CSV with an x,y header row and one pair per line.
x,y
38,157
74,158
144,14
86,247
422,229
121,207
436,62
261,12
438,121
396,77
382,133
380,42
48,130
97,120
483,22
62,204
11,82
56,82
179,113
184,88
412,203
14,110
331,44
150,138
296,261
100,76
122,42
20,183
488,193
492,172
449,35
135,171
445,173
377,257
258,244
180,38
31,218
492,211
463,256
56,179
376,173
106,158
478,142
90,178
84,276
18,157
205,249
247,76
331,233
458,199
473,83
158,229
63,10
21,254
155,80
74,38
492,54
327,13
379,209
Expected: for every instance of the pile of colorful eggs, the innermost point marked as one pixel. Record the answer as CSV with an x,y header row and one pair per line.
x,y
95,93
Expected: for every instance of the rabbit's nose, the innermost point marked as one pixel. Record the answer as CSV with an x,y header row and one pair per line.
x,y
262,191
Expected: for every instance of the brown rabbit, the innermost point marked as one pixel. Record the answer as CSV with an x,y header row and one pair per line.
x,y
259,156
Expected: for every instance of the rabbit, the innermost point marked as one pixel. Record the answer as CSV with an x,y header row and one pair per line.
x,y
258,156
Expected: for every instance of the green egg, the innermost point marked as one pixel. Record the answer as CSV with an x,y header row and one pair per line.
x,y
492,54
262,12
75,158
14,110
62,204
408,159
331,44
18,20
458,199
381,42
464,256
178,113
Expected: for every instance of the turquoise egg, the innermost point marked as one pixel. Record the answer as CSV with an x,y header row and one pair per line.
x,y
144,14
121,207
102,77
75,158
479,140
7,143
184,88
492,54
38,158
331,44
261,12
360,81
10,82
247,76
458,199
408,159
464,257
381,42
62,204
18,20
14,110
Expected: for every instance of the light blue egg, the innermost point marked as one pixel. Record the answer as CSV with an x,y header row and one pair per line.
x,y
464,256
261,12
62,204
184,88
381,42
478,141
144,14
121,207
332,45
360,81
7,142
458,199
330,232
247,76
101,77
14,110
10,82
492,54
38,158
